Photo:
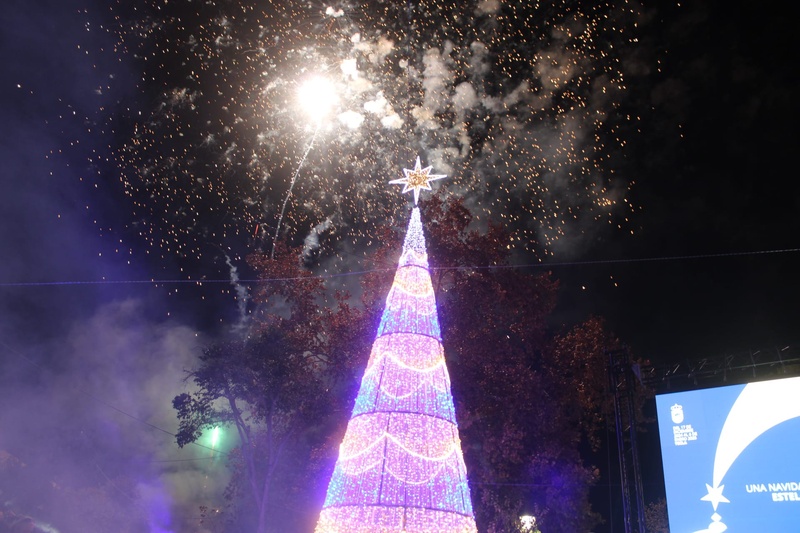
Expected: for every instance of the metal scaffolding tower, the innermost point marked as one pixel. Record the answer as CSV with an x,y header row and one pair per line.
x,y
623,381
729,369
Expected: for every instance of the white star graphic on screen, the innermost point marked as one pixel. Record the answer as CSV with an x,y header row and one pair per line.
x,y
715,496
417,178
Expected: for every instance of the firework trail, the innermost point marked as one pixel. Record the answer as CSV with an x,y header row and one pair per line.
x,y
289,193
242,296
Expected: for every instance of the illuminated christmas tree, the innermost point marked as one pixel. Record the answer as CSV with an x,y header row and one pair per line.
x,y
400,467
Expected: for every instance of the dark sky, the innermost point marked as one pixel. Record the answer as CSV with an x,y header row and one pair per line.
x,y
710,166
713,170
707,162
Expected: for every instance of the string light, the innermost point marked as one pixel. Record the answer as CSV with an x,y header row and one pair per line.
x,y
400,466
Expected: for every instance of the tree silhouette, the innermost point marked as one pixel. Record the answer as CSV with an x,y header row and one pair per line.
x,y
278,388
531,396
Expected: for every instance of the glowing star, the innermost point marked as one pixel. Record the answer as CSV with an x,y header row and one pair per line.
x,y
715,496
417,178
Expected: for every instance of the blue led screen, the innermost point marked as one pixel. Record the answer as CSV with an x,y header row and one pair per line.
x,y
732,457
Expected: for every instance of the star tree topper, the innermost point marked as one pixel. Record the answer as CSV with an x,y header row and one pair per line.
x,y
417,178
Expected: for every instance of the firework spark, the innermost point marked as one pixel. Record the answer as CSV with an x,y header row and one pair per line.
x,y
518,102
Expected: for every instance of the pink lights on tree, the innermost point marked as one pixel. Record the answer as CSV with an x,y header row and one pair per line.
x,y
400,467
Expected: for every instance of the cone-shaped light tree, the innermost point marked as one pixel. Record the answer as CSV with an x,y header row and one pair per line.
x,y
400,466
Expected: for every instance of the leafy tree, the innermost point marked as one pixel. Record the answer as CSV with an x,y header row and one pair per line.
x,y
655,517
531,398
530,402
279,388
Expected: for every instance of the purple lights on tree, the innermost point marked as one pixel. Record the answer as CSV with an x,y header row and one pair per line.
x,y
400,467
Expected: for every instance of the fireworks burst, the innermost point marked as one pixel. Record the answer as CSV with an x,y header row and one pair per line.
x,y
515,101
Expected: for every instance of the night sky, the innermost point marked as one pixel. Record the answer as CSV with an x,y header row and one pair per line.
x,y
642,153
